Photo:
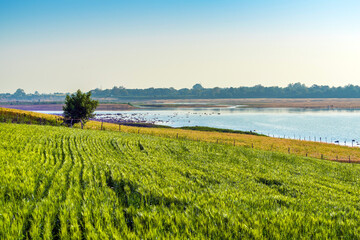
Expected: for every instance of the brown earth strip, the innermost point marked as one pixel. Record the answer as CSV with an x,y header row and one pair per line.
x,y
323,103
58,107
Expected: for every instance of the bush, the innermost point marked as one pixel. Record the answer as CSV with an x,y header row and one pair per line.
x,y
79,107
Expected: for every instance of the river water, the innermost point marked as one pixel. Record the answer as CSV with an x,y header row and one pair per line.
x,y
309,124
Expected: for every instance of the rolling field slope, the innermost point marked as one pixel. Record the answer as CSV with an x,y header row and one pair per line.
x,y
296,147
60,183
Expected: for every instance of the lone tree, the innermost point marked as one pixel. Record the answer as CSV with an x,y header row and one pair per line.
x,y
79,107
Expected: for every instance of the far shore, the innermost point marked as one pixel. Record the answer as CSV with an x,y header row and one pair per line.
x,y
312,103
316,103
58,107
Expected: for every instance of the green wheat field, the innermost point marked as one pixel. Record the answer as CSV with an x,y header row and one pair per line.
x,y
61,183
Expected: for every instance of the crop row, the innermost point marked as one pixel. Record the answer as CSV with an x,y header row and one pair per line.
x,y
81,184
303,148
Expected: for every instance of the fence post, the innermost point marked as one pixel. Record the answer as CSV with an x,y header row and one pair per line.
x,y
322,156
177,135
288,150
102,122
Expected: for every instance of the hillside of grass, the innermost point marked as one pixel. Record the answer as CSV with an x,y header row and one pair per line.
x,y
289,146
62,183
9,115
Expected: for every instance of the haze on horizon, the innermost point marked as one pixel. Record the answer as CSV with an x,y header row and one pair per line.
x,y
61,46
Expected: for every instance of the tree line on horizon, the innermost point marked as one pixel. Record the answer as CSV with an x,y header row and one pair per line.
x,y
293,90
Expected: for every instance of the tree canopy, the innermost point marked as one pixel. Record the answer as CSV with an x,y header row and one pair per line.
x,y
79,107
293,90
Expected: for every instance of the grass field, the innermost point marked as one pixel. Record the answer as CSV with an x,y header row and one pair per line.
x,y
19,116
296,147
61,183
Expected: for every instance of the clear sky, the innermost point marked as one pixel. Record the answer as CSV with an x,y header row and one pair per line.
x,y
64,45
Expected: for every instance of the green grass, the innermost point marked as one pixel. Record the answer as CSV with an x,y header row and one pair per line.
x,y
60,183
144,125
224,130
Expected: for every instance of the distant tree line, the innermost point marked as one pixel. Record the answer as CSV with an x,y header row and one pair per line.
x,y
20,96
294,90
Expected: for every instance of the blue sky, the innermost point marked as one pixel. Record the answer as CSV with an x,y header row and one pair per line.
x,y
57,46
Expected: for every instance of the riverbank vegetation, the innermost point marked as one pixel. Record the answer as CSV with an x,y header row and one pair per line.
x,y
211,129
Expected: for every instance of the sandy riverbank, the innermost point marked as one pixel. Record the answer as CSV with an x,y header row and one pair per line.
x,y
336,103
